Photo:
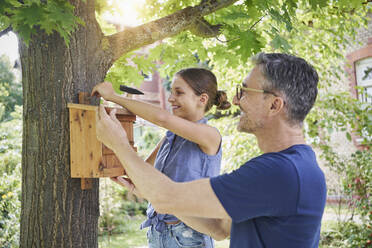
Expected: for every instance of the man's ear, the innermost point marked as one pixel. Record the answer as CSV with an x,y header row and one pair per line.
x,y
204,98
276,105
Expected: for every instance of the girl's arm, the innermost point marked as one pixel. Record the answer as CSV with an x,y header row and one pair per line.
x,y
207,137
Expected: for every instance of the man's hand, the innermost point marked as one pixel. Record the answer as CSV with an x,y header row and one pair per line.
x,y
127,183
103,89
109,130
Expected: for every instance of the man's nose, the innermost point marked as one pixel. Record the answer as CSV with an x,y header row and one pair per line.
x,y
170,98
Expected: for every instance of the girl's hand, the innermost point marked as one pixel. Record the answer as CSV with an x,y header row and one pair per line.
x,y
109,129
103,89
127,183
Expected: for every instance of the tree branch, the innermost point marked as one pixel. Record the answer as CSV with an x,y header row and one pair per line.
x,y
5,31
204,29
133,38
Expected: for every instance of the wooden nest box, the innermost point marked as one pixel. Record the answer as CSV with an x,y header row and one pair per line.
x,y
89,158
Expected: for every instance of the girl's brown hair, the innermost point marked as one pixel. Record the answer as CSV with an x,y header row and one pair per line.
x,y
204,81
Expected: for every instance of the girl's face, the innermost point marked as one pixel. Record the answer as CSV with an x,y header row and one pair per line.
x,y
185,103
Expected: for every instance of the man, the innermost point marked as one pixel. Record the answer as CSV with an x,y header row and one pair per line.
x,y
274,200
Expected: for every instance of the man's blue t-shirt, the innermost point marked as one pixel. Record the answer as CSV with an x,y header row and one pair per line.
x,y
274,200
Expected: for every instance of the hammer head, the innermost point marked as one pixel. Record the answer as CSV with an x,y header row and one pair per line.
x,y
130,90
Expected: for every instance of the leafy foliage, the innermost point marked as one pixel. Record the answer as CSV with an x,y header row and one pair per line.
x,y
10,89
315,30
344,114
117,206
356,173
27,16
10,183
309,28
146,138
10,154
350,116
116,203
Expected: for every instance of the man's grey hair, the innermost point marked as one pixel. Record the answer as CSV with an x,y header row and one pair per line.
x,y
292,78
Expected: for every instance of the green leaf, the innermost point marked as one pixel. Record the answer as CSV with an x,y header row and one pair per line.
x,y
318,3
143,64
348,136
292,5
237,15
244,43
49,16
248,3
253,10
24,31
281,18
280,43
30,15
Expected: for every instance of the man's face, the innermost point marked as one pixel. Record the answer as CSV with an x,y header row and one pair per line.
x,y
254,106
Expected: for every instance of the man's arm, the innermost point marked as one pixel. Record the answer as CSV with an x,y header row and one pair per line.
x,y
218,229
194,199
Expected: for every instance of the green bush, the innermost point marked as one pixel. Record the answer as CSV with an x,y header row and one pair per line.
x,y
10,208
10,89
117,207
146,138
345,114
358,187
10,183
346,235
356,174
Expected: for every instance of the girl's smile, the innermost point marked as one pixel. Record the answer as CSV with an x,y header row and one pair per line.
x,y
184,102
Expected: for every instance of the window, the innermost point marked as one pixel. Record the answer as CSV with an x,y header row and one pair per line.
x,y
363,71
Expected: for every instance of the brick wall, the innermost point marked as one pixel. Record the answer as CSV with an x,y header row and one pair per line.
x,y
363,36
338,139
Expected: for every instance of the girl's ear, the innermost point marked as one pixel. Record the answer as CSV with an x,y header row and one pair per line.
x,y
204,98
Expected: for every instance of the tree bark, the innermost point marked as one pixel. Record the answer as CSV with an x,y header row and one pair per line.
x,y
55,211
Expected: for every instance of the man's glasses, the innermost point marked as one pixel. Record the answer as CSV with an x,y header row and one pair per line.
x,y
240,89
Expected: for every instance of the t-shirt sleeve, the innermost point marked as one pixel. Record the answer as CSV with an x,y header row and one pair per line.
x,y
258,188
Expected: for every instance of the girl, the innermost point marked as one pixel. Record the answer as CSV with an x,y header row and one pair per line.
x,y
190,150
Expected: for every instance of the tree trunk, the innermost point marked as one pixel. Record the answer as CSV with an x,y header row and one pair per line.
x,y
55,211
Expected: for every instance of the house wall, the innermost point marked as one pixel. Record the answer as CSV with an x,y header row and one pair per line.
x,y
339,142
364,34
360,47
